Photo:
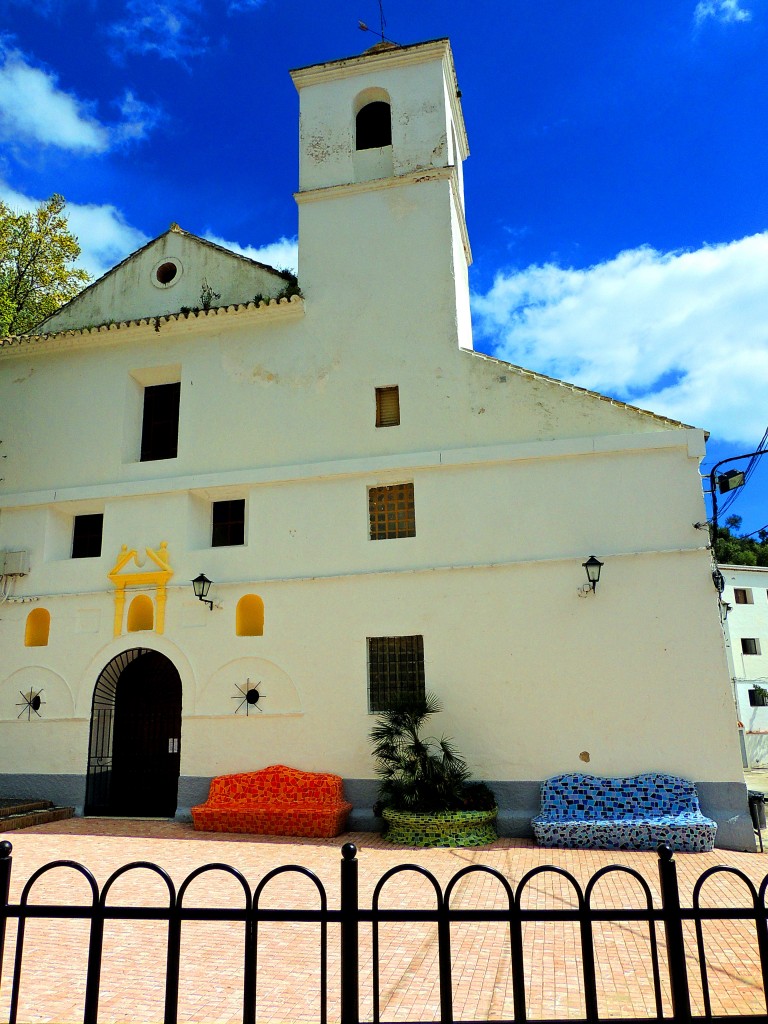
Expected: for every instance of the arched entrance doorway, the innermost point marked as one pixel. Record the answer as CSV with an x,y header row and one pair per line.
x,y
135,742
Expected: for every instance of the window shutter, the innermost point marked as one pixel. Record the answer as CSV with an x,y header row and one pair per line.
x,y
388,407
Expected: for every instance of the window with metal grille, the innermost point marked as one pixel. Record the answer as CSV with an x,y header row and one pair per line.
x,y
228,523
750,645
395,670
391,512
388,407
160,422
742,595
86,535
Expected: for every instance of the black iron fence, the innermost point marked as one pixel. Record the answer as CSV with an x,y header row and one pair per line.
x,y
666,934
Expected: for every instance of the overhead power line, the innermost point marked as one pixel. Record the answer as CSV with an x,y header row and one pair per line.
x,y
751,465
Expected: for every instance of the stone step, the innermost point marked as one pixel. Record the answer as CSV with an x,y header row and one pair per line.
x,y
35,815
19,805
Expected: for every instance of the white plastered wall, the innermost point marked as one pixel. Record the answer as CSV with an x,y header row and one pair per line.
x,y
490,581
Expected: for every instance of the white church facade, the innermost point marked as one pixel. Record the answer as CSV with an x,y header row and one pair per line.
x,y
380,509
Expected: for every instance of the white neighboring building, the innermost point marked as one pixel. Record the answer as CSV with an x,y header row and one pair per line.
x,y
746,637
381,509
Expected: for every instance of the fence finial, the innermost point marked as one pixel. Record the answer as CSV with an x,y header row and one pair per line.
x,y
5,849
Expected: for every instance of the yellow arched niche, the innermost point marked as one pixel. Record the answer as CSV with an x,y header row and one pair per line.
x,y
158,578
249,617
141,614
38,628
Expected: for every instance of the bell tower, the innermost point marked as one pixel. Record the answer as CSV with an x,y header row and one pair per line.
x,y
381,191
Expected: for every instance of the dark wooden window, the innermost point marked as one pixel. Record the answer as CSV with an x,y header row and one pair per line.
x,y
750,645
86,536
395,670
392,512
742,596
228,523
160,424
373,126
388,407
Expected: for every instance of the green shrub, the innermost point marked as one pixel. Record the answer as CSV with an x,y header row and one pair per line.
x,y
421,773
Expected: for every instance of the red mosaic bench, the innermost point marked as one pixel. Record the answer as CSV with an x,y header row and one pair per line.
x,y
276,801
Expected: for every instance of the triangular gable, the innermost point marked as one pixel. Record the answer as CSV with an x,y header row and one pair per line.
x,y
175,271
620,411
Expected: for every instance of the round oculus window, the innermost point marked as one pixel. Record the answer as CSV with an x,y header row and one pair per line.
x,y
166,273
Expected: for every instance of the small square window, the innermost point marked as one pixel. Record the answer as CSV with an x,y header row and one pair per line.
x,y
228,527
395,670
391,512
388,407
743,595
750,645
86,536
160,422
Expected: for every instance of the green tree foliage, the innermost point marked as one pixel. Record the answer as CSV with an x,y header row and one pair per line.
x,y
731,549
37,276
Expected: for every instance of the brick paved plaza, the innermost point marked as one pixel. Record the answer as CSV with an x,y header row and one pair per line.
x,y
132,980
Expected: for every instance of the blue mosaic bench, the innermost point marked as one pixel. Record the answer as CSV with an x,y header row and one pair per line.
x,y
637,813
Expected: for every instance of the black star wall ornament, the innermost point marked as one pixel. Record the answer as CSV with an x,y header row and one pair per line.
x,y
249,697
30,702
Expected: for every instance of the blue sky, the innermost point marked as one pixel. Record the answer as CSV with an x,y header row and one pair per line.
x,y
616,189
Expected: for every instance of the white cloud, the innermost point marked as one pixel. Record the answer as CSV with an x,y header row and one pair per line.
x,y
282,254
35,111
104,235
235,6
166,29
726,11
684,334
139,118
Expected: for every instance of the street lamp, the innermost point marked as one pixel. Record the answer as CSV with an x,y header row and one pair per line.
x,y
726,482
201,585
592,568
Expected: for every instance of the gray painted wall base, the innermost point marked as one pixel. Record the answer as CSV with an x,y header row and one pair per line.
x,y
63,790
725,802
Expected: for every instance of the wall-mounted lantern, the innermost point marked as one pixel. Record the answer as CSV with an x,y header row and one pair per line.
x,y
592,568
201,585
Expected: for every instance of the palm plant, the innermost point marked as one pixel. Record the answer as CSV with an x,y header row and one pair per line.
x,y
417,774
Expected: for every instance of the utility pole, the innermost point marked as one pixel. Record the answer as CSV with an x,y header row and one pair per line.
x,y
727,482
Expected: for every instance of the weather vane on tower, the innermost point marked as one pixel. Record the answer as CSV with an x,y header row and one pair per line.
x,y
382,25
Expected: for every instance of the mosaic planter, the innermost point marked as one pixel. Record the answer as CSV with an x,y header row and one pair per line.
x,y
440,828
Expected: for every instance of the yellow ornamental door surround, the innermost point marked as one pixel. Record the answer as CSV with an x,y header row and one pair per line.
x,y
157,578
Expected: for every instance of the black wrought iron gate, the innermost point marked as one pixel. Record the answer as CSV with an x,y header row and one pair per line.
x,y
135,738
